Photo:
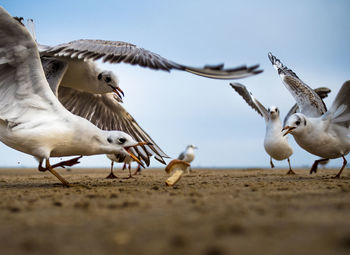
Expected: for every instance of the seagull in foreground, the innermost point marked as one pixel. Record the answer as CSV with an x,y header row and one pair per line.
x,y
32,120
318,131
89,92
275,144
188,154
119,158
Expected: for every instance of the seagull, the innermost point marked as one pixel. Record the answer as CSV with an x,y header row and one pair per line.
x,y
120,158
94,94
32,120
276,145
316,130
188,154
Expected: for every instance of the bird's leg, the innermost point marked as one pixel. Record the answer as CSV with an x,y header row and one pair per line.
x,y
342,168
138,170
130,176
40,168
124,166
63,164
271,163
315,165
111,175
290,168
50,169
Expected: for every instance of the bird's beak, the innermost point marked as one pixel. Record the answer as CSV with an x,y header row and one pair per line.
x,y
289,130
119,92
132,155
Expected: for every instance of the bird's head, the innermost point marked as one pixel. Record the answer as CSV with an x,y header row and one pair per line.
x,y
191,146
273,112
109,83
122,143
295,124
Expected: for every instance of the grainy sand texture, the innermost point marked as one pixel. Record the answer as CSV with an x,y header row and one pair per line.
x,y
209,212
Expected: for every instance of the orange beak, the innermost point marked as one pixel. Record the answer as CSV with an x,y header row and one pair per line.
x,y
289,130
133,156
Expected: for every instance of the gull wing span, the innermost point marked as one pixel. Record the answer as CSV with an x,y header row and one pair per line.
x,y
340,109
306,98
123,52
322,92
252,101
105,112
23,86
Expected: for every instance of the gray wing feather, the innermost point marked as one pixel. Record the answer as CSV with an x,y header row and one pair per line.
x,y
181,156
307,99
252,101
105,112
322,92
117,52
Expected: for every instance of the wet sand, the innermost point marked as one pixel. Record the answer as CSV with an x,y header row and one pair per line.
x,y
209,212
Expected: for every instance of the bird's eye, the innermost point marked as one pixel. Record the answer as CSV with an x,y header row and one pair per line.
x,y
297,122
108,79
122,140
109,140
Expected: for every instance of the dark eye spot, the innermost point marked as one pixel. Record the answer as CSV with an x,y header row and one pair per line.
x,y
109,140
122,140
297,122
108,79
99,76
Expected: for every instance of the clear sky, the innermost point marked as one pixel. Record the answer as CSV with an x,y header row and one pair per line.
x,y
310,37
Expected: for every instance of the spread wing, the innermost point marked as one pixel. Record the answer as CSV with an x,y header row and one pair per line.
x,y
322,92
117,52
23,87
252,101
340,109
307,99
54,71
105,112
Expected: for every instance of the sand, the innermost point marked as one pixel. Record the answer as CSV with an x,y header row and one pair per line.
x,y
209,212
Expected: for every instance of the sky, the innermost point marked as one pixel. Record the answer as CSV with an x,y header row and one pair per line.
x,y
178,108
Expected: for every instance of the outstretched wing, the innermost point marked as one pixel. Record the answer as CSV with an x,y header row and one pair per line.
x,y
105,112
117,52
23,86
307,99
252,101
340,109
322,92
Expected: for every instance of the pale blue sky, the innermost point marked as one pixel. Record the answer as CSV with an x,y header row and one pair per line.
x,y
176,109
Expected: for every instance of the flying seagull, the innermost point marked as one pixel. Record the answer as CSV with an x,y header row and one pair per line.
x,y
32,120
318,131
87,91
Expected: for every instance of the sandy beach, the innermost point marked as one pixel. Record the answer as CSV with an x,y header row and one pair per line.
x,y
209,212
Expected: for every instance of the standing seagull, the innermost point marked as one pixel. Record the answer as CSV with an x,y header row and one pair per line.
x,y
318,131
32,120
276,145
188,154
119,158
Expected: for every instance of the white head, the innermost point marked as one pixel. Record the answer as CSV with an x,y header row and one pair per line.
x,y
122,143
273,112
295,124
191,146
108,82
